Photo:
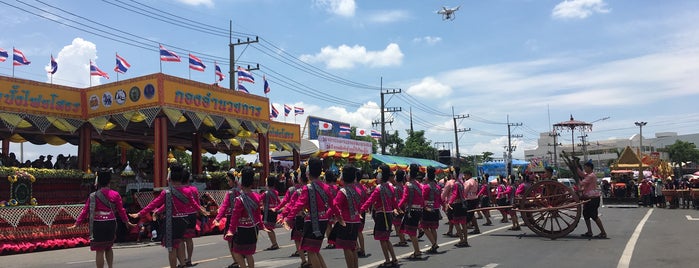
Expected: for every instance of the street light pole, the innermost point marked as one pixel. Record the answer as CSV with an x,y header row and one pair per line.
x,y
640,126
640,150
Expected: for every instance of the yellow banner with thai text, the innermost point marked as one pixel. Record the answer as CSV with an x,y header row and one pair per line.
x,y
24,96
200,97
284,132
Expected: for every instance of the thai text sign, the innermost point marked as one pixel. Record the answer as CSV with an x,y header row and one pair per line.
x,y
216,101
284,132
326,143
122,96
39,98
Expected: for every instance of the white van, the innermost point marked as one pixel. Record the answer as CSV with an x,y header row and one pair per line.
x,y
567,182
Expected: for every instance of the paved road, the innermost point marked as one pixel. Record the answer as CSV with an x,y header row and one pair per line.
x,y
639,237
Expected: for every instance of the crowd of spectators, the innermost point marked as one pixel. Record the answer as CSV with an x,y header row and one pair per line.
x,y
62,162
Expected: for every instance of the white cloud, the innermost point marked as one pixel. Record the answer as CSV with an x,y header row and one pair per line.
x,y
388,16
346,57
345,8
207,3
430,40
73,64
578,9
429,87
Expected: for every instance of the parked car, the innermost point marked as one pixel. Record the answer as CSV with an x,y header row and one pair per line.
x,y
567,182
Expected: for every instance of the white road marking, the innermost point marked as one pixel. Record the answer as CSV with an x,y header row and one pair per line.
x,y
689,218
374,264
205,244
625,259
78,262
491,265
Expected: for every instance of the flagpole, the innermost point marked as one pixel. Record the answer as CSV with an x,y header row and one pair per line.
x,y
115,55
13,61
89,73
51,66
161,61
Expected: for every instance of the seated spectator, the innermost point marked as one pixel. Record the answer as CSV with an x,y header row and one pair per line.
x,y
39,163
48,163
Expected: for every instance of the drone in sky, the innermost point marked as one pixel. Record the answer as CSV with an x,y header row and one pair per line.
x,y
448,13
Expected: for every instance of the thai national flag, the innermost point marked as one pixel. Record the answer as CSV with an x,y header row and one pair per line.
x,y
196,64
220,74
18,58
245,75
298,110
267,89
275,113
287,109
375,134
242,88
167,55
54,66
95,71
345,130
121,65
3,55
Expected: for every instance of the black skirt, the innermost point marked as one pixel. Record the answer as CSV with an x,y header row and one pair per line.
x,y
346,236
103,235
244,240
383,221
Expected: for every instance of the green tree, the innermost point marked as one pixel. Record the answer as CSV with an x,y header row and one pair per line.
x,y
394,144
682,152
418,146
487,157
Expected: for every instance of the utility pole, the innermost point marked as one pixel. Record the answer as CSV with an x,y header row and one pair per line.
x,y
456,133
231,51
411,120
555,144
383,118
583,139
509,147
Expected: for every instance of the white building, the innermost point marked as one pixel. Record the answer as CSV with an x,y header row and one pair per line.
x,y
603,152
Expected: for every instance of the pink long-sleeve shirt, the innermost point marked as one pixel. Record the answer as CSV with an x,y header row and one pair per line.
x,y
433,204
226,209
240,216
102,211
180,209
375,199
287,197
302,203
417,202
342,206
471,189
588,185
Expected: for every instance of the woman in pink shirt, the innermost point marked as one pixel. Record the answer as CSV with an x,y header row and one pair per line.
x,y
413,203
227,207
347,205
430,216
100,211
179,201
296,225
383,201
270,200
590,190
246,220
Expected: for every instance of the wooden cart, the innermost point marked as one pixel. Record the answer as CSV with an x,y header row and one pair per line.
x,y
549,208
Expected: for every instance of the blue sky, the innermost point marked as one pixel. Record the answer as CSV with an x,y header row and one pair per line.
x,y
537,62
